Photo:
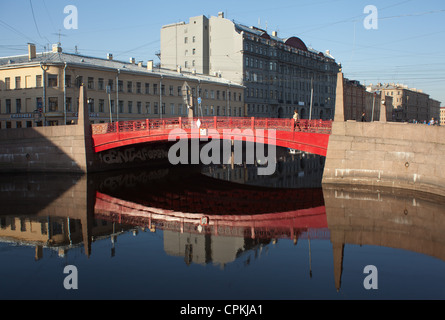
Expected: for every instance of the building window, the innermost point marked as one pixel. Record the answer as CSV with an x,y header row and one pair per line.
x,y
39,81
179,91
100,84
69,103
90,83
91,105
172,108
53,104
138,87
18,105
155,107
129,86
18,82
111,84
186,40
147,108
79,81
67,81
121,106
139,107
147,88
52,80
163,90
130,106
7,84
120,86
155,89
112,106
101,105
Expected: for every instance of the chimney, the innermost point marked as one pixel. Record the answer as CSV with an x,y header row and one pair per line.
x,y
274,33
132,60
140,64
57,47
150,65
110,56
31,51
220,14
179,69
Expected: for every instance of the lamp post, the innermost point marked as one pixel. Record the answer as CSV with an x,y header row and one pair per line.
x,y
109,103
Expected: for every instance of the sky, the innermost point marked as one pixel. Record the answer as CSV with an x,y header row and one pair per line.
x,y
393,41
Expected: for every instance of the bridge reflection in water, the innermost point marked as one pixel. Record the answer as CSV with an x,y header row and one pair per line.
x,y
206,220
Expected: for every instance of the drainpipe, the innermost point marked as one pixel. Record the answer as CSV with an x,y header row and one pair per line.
x,y
160,96
117,94
44,93
228,101
64,93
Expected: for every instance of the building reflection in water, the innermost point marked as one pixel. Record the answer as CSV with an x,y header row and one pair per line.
x,y
208,220
384,217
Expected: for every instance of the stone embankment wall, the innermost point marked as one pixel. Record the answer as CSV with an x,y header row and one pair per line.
x,y
49,149
402,155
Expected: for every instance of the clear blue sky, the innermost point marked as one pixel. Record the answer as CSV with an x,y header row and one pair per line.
x,y
408,46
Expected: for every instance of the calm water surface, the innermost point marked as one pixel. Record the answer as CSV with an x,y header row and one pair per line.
x,y
218,233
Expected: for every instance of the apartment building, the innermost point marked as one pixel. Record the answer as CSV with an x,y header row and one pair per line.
x,y
279,75
408,104
357,100
42,89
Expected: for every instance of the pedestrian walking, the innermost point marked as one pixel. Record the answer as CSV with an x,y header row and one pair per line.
x,y
296,118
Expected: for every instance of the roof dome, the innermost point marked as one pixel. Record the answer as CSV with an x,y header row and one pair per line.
x,y
296,43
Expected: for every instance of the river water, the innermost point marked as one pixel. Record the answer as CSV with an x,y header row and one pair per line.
x,y
217,232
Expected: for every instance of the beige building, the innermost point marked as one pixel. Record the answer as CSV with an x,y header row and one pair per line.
x,y
42,89
279,75
409,104
442,116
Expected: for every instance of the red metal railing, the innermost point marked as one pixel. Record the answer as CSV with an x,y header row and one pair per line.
x,y
312,126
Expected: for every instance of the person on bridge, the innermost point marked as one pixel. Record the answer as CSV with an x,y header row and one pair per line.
x,y
296,119
363,117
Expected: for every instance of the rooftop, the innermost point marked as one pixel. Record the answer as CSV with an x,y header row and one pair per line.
x,y
294,42
61,58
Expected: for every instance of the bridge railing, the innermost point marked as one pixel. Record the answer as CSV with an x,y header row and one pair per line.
x,y
311,126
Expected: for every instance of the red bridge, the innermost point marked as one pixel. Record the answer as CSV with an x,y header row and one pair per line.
x,y
309,135
290,225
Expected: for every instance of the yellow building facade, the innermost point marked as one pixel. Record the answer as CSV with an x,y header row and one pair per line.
x,y
42,90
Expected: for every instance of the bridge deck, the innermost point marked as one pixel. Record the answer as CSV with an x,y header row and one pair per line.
x,y
309,135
